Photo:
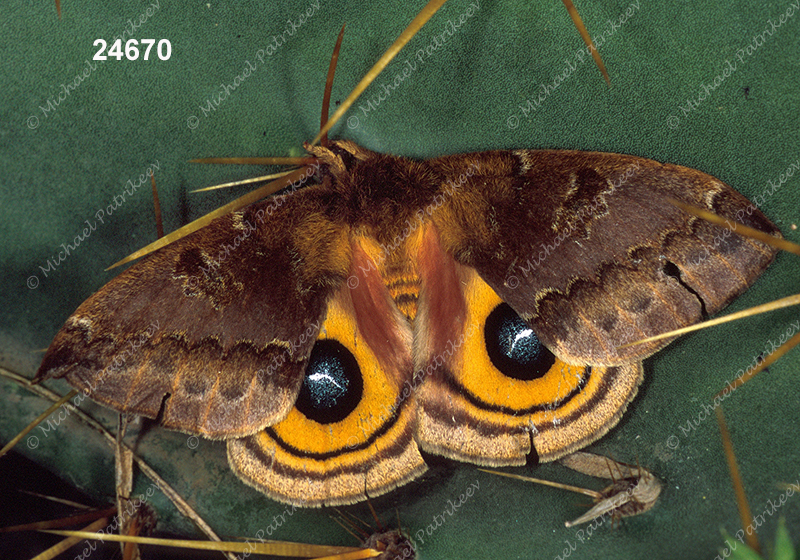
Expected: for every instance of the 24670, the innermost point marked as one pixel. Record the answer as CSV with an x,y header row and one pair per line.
x,y
164,49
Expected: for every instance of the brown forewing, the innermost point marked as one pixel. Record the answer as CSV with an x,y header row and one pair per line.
x,y
587,248
216,326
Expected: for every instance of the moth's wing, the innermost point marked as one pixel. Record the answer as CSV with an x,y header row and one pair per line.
x,y
587,248
210,334
487,390
350,435
618,263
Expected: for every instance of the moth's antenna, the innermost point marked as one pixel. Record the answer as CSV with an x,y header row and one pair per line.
x,y
326,98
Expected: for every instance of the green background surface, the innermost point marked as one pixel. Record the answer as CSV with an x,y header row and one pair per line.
x,y
60,168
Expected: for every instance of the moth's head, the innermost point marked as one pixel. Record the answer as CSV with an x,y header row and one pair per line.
x,y
338,157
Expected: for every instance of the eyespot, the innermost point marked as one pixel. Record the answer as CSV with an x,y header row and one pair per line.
x,y
333,386
513,347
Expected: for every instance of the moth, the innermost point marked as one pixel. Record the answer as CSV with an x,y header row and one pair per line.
x,y
472,306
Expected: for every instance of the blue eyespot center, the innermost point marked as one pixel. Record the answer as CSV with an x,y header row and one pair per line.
x,y
513,347
332,386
